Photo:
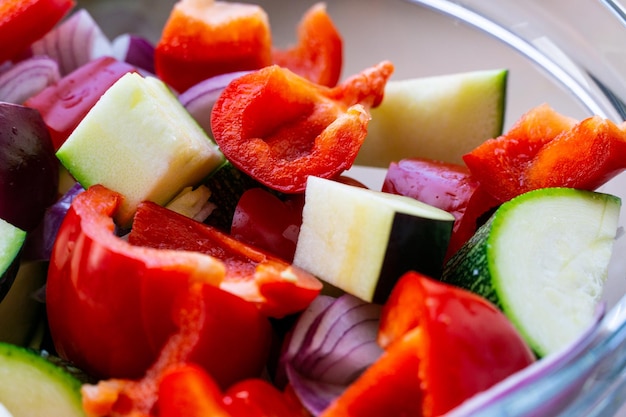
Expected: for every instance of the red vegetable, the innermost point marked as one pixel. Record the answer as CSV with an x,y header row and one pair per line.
x,y
447,186
546,149
64,104
280,128
22,22
318,56
263,220
204,39
438,342
275,286
111,304
258,398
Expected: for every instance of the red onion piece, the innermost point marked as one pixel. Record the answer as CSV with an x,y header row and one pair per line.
x,y
74,42
200,98
332,343
27,78
135,50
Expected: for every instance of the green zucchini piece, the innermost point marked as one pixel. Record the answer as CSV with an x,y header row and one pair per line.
x,y
12,240
361,241
543,258
439,117
33,386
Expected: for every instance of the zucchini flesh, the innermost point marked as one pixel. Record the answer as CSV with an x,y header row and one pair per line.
x,y
543,258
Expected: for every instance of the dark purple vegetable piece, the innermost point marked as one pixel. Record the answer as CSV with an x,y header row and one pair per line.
x,y
29,169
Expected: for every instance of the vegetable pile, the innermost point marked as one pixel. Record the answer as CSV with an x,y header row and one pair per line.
x,y
182,215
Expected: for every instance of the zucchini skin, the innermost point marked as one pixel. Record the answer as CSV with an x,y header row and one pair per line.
x,y
469,267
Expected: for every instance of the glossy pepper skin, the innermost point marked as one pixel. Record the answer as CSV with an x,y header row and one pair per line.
x,y
111,305
447,186
204,38
438,342
275,286
318,55
22,22
546,149
280,128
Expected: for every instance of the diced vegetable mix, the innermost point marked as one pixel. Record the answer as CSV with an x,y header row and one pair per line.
x,y
197,303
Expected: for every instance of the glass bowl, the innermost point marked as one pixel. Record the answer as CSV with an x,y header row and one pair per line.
x,y
567,53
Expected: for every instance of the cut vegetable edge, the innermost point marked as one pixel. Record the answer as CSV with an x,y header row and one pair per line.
x,y
37,386
438,117
547,276
361,241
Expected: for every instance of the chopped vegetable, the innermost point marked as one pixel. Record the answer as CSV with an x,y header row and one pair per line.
x,y
318,56
25,21
543,258
11,244
110,304
152,152
27,78
362,241
546,149
205,38
280,128
438,117
423,327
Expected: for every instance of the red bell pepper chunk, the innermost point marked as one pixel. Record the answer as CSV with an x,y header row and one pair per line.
x,y
275,286
447,186
263,220
204,39
64,104
257,397
189,391
112,306
546,149
318,56
22,22
280,128
438,342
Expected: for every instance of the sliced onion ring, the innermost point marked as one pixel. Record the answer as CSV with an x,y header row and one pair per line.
x,y
332,343
74,42
27,78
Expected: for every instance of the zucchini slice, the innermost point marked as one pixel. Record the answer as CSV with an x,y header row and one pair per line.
x,y
439,117
36,387
543,258
361,241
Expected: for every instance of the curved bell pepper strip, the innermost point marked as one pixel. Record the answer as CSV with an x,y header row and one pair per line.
x,y
447,186
280,128
22,22
110,304
547,149
204,38
318,56
275,286
257,397
438,340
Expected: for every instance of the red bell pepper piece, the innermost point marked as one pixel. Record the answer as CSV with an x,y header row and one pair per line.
x,y
189,391
64,104
263,220
256,397
22,22
438,342
447,186
546,149
280,128
204,39
275,286
318,56
111,305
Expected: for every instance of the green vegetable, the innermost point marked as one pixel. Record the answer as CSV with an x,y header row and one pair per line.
x,y
439,117
543,258
34,386
361,241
